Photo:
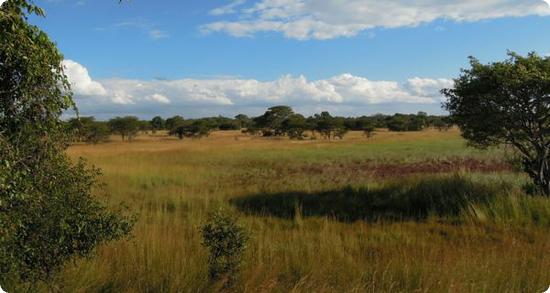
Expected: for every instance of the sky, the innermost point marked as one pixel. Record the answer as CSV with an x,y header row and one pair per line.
x,y
348,57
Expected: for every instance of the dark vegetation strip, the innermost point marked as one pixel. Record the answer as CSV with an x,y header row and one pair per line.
x,y
387,170
442,197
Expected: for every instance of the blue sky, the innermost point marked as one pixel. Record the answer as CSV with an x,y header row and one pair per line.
x,y
352,57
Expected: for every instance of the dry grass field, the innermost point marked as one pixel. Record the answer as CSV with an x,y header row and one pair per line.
x,y
398,212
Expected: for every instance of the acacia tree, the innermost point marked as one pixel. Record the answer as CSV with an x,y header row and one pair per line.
x,y
127,126
174,122
507,102
294,126
48,214
271,121
87,129
329,126
193,129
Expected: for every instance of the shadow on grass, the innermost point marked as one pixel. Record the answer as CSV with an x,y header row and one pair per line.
x,y
442,197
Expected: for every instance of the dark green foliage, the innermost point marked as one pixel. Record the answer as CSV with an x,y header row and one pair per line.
x,y
145,126
368,130
328,126
174,122
157,123
507,103
193,129
45,222
86,129
243,121
365,124
127,127
294,126
47,212
281,120
402,122
98,132
272,120
226,242
223,123
440,123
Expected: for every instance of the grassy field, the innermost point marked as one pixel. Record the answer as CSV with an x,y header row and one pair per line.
x,y
399,212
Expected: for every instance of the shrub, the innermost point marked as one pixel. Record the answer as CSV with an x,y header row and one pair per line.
x,y
226,242
48,213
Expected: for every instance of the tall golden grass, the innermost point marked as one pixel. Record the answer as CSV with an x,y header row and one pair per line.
x,y
172,185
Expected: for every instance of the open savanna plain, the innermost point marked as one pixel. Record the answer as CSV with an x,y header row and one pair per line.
x,y
397,212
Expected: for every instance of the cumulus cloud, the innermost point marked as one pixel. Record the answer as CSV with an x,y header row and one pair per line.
x,y
427,86
81,82
158,98
345,93
328,19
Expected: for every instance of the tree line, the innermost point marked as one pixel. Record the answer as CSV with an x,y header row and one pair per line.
x,y
276,121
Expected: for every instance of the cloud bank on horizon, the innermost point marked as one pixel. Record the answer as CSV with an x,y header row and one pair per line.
x,y
329,19
345,93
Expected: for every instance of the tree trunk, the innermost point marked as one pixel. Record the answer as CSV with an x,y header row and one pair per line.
x,y
539,171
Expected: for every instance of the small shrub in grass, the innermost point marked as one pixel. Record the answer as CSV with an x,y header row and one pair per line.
x,y
226,242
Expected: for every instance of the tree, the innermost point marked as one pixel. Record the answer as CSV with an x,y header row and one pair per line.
x,y
328,126
86,129
243,120
403,122
174,122
144,126
271,121
79,126
127,127
294,126
366,125
48,214
193,129
440,123
398,122
224,123
507,102
97,132
157,123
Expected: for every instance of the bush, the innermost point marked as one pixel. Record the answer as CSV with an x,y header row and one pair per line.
x,y
226,242
48,213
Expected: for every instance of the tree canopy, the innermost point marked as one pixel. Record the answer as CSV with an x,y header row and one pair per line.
x,y
273,118
507,102
127,126
48,214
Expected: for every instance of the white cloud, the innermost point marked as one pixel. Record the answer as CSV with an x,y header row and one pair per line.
x,y
227,9
427,86
81,82
345,93
158,98
328,19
